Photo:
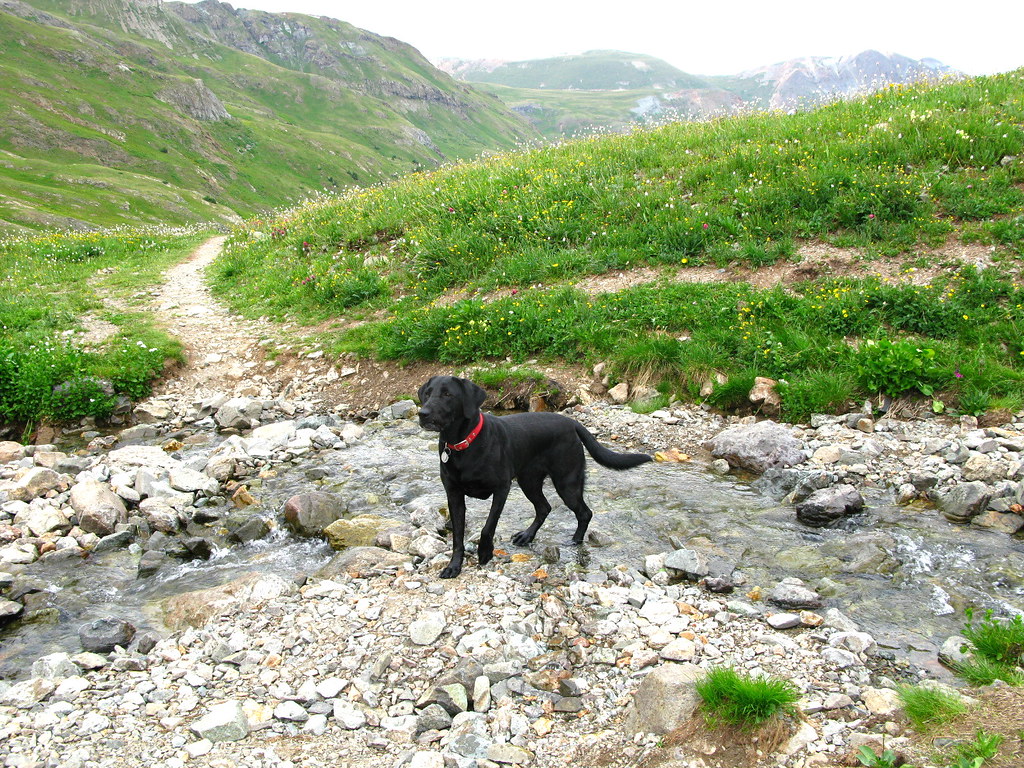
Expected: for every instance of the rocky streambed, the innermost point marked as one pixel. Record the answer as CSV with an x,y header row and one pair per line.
x,y
115,559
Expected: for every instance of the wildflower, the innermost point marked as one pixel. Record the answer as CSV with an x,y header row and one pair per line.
x,y
957,373
705,225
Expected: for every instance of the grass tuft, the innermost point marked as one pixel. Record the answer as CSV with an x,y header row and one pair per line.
x,y
740,700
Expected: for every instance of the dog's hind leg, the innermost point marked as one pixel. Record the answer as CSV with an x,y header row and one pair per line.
x,y
570,489
533,488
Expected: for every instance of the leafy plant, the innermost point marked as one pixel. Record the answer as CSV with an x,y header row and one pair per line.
x,y
745,701
888,759
984,746
895,367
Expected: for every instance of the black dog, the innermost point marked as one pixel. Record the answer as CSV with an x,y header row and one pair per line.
x,y
480,457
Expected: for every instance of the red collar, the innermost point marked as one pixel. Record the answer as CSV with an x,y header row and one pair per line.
x,y
463,445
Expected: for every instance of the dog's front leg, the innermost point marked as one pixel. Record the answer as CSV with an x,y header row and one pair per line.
x,y
457,518
485,551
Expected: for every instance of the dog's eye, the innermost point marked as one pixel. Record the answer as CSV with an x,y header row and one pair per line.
x,y
445,393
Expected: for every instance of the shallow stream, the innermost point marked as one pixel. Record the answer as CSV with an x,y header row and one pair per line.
x,y
904,574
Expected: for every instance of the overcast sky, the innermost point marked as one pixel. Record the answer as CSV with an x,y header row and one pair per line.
x,y
705,37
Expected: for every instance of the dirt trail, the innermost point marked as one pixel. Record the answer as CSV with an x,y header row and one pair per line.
x,y
221,347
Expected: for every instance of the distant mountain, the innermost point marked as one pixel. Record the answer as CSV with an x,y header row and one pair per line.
x,y
613,89
814,79
145,111
590,71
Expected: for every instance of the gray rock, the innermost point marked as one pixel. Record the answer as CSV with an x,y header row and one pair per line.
x,y
99,509
223,722
828,505
118,540
11,451
33,483
784,621
427,628
348,715
665,699
307,514
791,593
403,409
469,735
433,717
9,610
28,693
102,635
688,563
239,413
509,754
191,481
55,666
757,447
291,711
965,501
952,652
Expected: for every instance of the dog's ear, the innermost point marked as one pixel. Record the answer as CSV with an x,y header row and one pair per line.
x,y
424,392
473,398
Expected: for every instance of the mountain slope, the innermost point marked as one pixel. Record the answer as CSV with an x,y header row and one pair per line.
x,y
114,111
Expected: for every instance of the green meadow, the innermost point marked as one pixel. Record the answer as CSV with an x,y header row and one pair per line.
x,y
890,177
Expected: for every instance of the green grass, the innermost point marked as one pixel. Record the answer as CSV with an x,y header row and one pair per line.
x,y
744,701
930,707
996,647
53,281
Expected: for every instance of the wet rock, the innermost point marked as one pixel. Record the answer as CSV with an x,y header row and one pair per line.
x,y
965,501
688,564
9,609
251,529
362,560
118,540
99,509
757,447
103,635
791,593
194,609
359,531
1004,522
308,514
828,505
221,468
665,699
191,481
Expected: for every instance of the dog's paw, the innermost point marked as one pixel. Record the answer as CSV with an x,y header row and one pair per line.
x,y
522,539
485,556
451,571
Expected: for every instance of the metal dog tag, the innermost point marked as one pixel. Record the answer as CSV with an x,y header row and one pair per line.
x,y
444,457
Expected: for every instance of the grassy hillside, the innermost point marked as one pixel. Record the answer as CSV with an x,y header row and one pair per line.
x,y
115,112
890,177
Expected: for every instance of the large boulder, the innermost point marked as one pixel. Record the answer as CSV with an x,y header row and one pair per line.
x,y
194,609
11,451
965,501
828,505
308,514
757,447
665,699
99,509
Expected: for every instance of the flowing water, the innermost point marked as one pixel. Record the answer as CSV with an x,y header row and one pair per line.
x,y
904,574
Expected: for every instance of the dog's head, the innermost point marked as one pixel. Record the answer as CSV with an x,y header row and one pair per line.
x,y
445,400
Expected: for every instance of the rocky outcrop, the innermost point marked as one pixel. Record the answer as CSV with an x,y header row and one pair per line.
x,y
195,99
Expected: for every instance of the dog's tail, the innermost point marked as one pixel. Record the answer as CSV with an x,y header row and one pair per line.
x,y
606,457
